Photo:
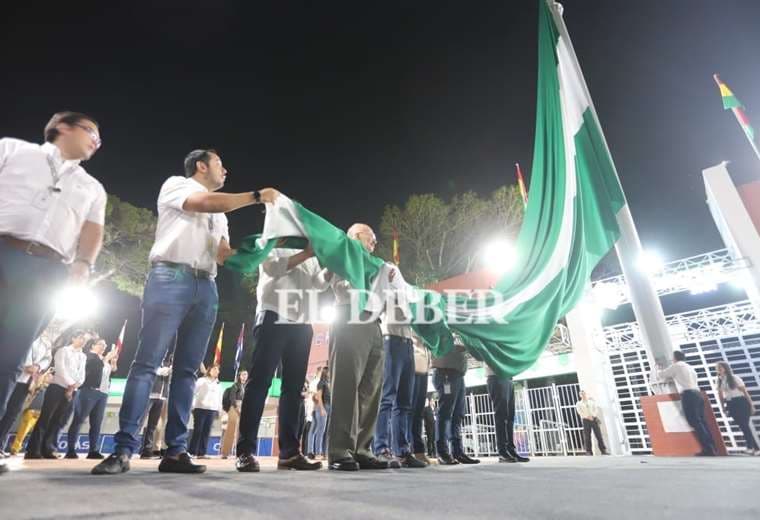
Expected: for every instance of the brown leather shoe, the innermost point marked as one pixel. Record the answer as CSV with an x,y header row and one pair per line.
x,y
423,458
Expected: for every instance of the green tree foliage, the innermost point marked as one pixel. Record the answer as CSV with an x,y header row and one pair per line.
x,y
439,239
129,235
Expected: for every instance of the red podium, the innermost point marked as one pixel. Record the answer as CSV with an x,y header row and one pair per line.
x,y
670,434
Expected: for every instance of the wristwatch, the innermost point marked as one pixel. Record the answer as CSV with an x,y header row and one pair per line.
x,y
85,262
257,196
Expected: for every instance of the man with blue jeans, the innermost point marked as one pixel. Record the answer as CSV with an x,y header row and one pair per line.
x,y
51,228
448,380
179,304
394,416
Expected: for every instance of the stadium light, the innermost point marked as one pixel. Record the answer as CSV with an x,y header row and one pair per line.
x,y
74,303
327,314
499,256
650,262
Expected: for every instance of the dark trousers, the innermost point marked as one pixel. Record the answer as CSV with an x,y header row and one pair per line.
x,y
449,384
154,415
305,435
26,283
274,343
694,410
89,404
202,422
56,408
177,309
418,412
502,393
739,409
588,426
12,411
394,416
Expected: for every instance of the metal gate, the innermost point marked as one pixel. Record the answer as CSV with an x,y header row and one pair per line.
x,y
546,422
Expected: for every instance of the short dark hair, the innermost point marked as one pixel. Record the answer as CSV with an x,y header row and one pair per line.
x,y
197,155
679,356
68,118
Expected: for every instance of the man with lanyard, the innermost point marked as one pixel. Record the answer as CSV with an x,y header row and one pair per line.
x,y
281,337
179,304
51,227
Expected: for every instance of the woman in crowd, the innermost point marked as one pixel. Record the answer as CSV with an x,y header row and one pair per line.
x,y
208,403
321,412
735,399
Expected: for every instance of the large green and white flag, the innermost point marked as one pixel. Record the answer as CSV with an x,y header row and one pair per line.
x,y
569,225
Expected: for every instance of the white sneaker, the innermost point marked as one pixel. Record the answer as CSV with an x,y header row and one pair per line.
x,y
749,451
756,453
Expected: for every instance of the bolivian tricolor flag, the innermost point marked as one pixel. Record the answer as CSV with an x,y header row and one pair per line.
x,y
218,349
731,102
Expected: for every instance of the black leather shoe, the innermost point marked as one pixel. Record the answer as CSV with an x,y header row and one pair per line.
x,y
95,455
71,455
30,455
182,464
372,463
50,455
387,458
113,465
344,465
517,456
507,457
445,459
410,461
464,459
247,463
299,463
146,455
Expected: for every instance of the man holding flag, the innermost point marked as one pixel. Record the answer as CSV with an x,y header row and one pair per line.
x,y
286,294
179,304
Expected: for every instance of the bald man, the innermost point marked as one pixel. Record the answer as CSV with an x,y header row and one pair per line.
x,y
356,372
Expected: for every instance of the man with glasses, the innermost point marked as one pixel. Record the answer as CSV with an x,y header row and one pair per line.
x,y
51,228
179,304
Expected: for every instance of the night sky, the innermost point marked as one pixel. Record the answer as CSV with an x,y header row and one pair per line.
x,y
349,108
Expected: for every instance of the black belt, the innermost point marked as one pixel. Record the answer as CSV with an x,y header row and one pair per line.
x,y
197,273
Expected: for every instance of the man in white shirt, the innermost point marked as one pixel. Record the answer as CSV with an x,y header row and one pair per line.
x,y
281,336
589,412
51,226
36,363
392,432
179,304
69,363
685,378
356,372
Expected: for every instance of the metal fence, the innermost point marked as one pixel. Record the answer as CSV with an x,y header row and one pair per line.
x,y
546,422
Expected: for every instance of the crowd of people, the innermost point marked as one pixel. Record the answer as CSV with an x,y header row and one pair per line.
x,y
364,410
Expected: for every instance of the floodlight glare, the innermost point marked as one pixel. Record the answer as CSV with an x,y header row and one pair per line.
x,y
74,303
499,256
650,262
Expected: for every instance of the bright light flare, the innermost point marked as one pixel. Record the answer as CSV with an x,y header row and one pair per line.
x,y
651,262
74,303
499,256
327,314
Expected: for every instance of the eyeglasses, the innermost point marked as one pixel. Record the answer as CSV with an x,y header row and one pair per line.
x,y
94,135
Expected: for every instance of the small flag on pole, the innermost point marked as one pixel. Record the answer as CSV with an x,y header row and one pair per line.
x,y
120,340
396,255
731,102
218,349
239,349
521,184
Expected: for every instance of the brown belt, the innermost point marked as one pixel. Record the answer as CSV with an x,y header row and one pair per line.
x,y
31,248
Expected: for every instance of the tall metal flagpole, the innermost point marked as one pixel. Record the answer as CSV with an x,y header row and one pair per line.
x,y
738,114
646,304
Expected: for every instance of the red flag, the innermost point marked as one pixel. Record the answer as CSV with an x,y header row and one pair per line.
x,y
396,255
120,340
218,349
521,184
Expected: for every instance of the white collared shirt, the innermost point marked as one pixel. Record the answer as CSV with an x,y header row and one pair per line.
x,y
31,210
587,408
727,391
683,374
69,366
208,394
105,379
187,237
298,287
40,354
